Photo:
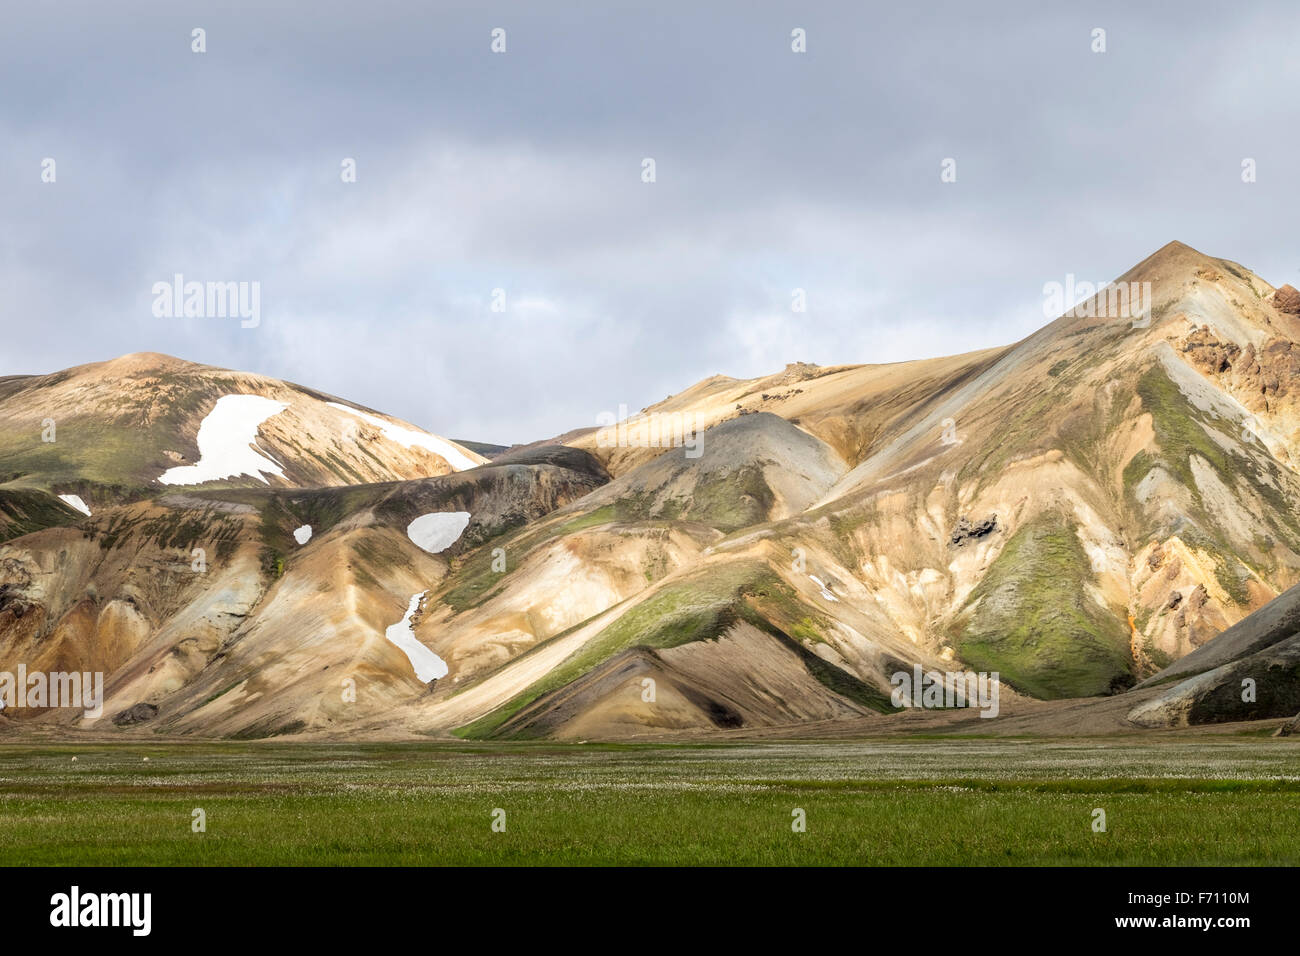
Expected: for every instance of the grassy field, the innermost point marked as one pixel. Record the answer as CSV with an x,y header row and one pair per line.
x,y
912,802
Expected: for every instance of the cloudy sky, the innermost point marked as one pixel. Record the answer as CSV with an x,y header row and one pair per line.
x,y
522,171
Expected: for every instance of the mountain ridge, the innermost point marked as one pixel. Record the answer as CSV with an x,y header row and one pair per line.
x,y
1077,511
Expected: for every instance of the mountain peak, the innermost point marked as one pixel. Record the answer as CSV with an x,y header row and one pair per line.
x,y
1172,256
143,361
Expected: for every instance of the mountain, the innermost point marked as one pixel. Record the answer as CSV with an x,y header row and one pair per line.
x,y
118,431
1078,511
1074,511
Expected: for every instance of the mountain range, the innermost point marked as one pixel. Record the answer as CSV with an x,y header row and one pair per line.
x,y
1104,513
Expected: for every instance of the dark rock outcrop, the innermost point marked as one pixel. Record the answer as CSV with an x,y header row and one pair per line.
x,y
966,531
136,714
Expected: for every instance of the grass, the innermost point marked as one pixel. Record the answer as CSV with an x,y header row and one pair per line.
x,y
592,519
1032,620
101,453
895,802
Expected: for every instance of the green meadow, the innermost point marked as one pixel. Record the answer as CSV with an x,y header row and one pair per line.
x,y
940,801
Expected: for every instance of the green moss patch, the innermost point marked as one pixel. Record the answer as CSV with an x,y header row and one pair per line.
x,y
1031,620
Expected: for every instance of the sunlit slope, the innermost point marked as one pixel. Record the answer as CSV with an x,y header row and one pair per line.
x,y
119,430
213,613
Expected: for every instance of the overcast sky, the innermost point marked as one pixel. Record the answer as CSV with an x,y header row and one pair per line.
x,y
522,171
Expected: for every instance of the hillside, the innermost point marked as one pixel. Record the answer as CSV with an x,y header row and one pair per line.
x,y
118,431
1078,511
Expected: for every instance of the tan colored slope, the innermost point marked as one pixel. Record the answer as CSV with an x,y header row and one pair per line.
x,y
1043,434
203,607
145,609
452,708
844,406
861,642
118,426
555,588
315,653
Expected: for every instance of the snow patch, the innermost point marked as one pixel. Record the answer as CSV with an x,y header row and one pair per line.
x,y
225,440
438,531
302,535
428,665
74,501
411,438
825,591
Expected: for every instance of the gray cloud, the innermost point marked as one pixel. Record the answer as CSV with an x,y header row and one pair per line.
x,y
522,172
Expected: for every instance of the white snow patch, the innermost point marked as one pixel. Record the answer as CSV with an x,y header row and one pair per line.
x,y
74,501
302,535
411,438
438,531
825,590
428,665
225,439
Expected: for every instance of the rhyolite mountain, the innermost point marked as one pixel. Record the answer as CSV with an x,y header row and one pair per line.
x,y
1078,511
117,431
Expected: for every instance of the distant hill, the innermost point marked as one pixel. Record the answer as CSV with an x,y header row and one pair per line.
x,y
483,448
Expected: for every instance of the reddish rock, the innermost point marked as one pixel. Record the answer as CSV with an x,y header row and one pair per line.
x,y
1287,300
1208,353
